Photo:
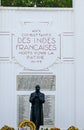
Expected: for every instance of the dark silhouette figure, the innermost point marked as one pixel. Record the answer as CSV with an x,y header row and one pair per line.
x,y
37,99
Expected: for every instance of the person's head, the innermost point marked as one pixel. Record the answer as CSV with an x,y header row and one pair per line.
x,y
37,87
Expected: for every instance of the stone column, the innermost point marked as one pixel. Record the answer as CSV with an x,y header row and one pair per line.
x,y
79,40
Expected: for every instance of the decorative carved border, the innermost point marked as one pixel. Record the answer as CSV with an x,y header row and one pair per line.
x,y
4,58
68,59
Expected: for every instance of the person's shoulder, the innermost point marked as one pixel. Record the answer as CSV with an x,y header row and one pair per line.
x,y
32,93
42,93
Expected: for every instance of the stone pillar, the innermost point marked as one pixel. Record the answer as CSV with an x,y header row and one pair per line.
x,y
79,41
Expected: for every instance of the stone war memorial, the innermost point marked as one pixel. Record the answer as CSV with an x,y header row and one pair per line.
x,y
41,44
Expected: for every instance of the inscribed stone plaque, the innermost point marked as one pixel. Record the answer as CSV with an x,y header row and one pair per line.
x,y
36,45
28,82
49,110
24,109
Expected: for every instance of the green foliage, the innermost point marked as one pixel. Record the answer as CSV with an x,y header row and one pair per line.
x,y
39,3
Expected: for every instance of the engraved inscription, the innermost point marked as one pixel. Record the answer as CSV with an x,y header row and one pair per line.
x,y
28,82
24,109
49,110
